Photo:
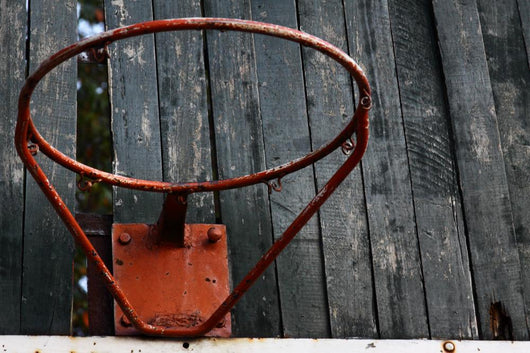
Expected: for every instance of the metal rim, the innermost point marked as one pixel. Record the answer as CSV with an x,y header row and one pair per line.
x,y
26,129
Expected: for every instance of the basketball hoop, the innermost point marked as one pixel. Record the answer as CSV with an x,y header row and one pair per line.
x,y
170,226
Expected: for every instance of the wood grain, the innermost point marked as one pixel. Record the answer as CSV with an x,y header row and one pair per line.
x,y
98,229
240,150
486,200
346,244
48,246
12,70
387,181
301,277
510,82
135,124
183,99
438,209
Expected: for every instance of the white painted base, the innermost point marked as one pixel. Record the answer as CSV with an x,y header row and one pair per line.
x,y
58,344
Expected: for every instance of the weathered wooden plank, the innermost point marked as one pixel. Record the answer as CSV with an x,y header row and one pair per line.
x,y
510,81
48,246
397,268
302,286
134,112
524,15
186,154
343,220
494,256
239,142
98,228
12,70
437,203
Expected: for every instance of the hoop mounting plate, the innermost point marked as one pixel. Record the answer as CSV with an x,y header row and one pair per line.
x,y
171,286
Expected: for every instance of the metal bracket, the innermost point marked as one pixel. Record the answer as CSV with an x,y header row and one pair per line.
x,y
170,285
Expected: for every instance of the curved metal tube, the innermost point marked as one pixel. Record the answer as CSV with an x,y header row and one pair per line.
x,y
26,132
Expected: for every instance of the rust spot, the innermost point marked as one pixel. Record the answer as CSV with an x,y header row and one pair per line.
x,y
177,320
500,322
119,262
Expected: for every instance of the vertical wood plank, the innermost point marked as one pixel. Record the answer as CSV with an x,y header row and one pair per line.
x,y
510,81
300,268
396,258
48,246
438,208
494,256
343,217
240,150
134,112
186,154
98,229
12,70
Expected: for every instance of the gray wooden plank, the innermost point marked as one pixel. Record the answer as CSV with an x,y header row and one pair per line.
x,y
486,200
186,154
302,286
524,15
98,229
397,264
12,70
48,246
437,203
510,80
134,112
240,150
343,222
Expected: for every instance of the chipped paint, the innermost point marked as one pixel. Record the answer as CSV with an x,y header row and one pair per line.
x,y
480,141
146,124
135,52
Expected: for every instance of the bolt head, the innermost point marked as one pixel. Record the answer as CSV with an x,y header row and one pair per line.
x,y
125,238
214,234
449,346
221,323
125,322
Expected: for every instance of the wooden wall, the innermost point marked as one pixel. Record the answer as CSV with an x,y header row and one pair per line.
x,y
418,242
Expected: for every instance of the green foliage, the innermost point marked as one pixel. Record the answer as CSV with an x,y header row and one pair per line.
x,y
93,135
94,148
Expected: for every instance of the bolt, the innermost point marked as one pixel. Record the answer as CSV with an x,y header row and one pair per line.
x,y
221,323
124,321
125,238
366,102
214,234
33,149
449,346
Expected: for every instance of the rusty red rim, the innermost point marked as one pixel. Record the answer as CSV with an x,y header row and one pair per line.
x,y
28,142
26,128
